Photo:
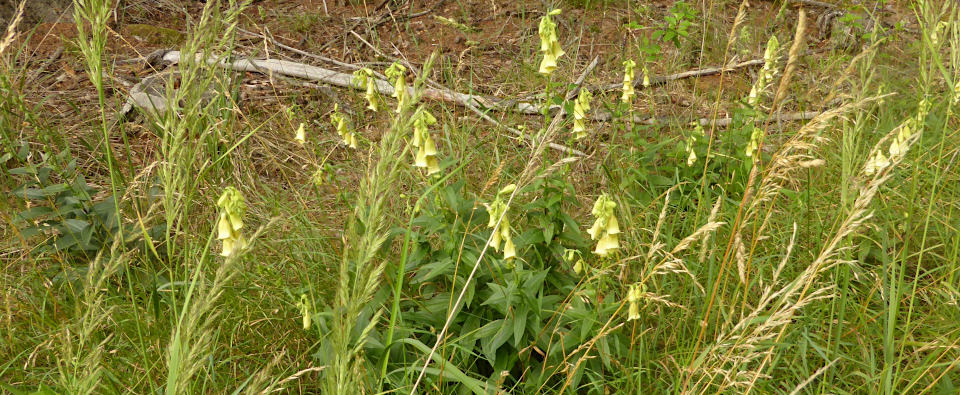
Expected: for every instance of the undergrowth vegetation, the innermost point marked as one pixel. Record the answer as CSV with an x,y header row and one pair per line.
x,y
404,248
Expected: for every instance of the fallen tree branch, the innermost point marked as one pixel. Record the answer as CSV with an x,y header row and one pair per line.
x,y
439,93
345,80
660,80
445,95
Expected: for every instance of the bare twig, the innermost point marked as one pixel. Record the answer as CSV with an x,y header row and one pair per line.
x,y
299,51
379,21
660,80
51,60
812,3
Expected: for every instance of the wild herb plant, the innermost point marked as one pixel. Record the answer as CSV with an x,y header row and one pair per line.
x,y
760,256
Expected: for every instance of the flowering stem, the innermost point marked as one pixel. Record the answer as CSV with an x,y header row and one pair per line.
x,y
398,278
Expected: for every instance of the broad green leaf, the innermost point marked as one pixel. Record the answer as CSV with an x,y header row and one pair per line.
x,y
519,324
75,225
448,371
34,213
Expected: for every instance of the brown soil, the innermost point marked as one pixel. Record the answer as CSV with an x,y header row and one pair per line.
x,y
36,10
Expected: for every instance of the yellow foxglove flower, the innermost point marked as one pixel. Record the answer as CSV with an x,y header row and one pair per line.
x,y
421,159
755,137
224,230
549,45
580,108
340,123
691,142
496,209
397,74
613,227
304,306
605,227
596,230
573,256
607,243
770,53
301,135
509,251
317,177
956,94
633,299
497,238
692,158
629,73
433,165
426,155
365,80
646,77
898,147
232,208
876,164
765,76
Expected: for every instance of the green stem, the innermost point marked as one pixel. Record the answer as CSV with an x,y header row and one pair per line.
x,y
398,278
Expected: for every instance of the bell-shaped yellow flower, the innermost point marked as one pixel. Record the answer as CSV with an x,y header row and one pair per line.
x,y
596,230
397,73
755,137
898,147
509,250
633,300
365,80
433,165
629,73
691,141
770,53
765,76
425,152
343,130
606,228
646,77
231,247
955,98
301,135
224,230
317,177
876,164
549,45
426,155
502,234
579,266
495,210
304,306
607,243
572,256
232,208
613,227
580,108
